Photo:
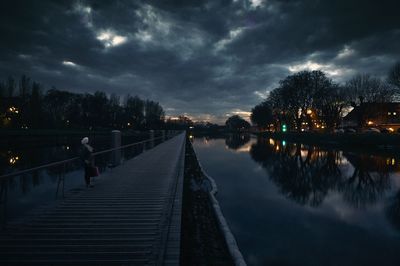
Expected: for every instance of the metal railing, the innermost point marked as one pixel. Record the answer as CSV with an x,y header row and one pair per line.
x,y
61,168
165,226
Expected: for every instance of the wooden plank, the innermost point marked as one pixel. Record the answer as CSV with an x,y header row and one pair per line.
x,y
123,219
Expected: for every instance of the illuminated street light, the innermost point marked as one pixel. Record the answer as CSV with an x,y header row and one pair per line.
x,y
13,160
13,109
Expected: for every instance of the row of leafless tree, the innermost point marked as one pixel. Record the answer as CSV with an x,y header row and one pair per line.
x,y
25,104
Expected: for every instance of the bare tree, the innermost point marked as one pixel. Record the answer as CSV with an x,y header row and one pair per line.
x,y
24,87
394,75
10,86
297,94
236,122
154,114
134,107
261,114
2,89
330,102
364,88
35,106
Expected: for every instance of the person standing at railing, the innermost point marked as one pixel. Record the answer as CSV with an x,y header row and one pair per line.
x,y
88,160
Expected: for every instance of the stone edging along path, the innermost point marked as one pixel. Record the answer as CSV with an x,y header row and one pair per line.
x,y
230,241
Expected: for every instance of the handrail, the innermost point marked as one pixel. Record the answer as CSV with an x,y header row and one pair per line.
x,y
125,146
72,159
166,224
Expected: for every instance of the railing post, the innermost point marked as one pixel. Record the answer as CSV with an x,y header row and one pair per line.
x,y
115,143
151,139
163,135
3,203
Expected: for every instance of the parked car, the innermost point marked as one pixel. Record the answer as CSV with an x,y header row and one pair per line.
x,y
372,130
339,130
385,130
350,130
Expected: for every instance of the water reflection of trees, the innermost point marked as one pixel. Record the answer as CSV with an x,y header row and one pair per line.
x,y
368,181
306,174
393,210
236,141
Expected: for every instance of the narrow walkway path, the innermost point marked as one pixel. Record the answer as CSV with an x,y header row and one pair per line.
x,y
131,217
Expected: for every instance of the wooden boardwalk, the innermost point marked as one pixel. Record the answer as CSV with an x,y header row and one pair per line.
x,y
131,217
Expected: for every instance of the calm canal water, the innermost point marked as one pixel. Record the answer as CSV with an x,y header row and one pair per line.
x,y
295,204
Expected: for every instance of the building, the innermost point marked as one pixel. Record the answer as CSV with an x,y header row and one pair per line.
x,y
377,115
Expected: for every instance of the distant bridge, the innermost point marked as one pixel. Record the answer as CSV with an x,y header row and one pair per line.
x,y
131,217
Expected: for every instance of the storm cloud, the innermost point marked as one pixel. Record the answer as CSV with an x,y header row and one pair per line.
x,y
206,59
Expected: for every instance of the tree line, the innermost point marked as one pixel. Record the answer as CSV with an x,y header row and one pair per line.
x,y
311,98
26,104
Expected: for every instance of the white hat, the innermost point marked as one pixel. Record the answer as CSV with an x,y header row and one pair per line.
x,y
85,140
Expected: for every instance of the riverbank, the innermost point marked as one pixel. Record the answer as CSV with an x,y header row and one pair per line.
x,y
202,243
349,140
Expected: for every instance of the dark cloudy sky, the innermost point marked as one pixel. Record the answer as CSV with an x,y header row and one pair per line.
x,y
207,59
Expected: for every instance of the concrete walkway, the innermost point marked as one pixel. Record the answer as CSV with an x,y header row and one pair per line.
x,y
131,217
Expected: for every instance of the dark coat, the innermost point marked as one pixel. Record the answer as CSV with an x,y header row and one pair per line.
x,y
86,155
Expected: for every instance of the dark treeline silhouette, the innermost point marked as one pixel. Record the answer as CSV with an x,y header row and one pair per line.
x,y
26,104
311,98
185,123
236,123
180,123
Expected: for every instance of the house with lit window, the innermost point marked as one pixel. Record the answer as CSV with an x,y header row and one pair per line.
x,y
377,115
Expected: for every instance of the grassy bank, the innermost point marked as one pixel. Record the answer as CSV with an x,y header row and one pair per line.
x,y
202,243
